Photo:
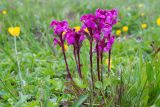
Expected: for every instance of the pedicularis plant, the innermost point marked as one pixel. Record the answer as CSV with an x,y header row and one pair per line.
x,y
97,29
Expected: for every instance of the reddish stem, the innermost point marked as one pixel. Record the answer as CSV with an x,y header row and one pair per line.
x,y
109,61
79,63
97,49
67,68
101,66
91,69
75,56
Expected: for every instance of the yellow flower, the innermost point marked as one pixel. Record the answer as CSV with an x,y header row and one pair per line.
x,y
118,32
125,28
142,14
106,61
14,31
63,33
65,47
86,30
77,28
158,21
128,8
4,12
140,5
143,26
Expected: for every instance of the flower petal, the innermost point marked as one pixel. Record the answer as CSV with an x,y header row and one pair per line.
x,y
53,23
55,41
82,38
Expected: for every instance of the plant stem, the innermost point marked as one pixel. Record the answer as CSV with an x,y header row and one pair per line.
x,y
67,68
64,55
91,69
109,60
101,67
75,57
19,69
104,97
79,63
120,90
97,49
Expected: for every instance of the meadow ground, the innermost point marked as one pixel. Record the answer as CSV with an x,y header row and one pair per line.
x,y
38,79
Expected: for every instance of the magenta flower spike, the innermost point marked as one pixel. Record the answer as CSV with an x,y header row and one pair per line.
x,y
106,19
100,26
89,23
73,37
76,38
59,27
107,16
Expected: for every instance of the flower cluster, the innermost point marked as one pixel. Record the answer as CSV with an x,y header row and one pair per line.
x,y
59,28
74,37
97,28
100,26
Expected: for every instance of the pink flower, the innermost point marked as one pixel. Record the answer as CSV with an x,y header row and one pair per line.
x,y
59,27
74,37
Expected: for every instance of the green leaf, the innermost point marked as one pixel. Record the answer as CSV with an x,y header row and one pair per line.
x,y
150,73
80,100
80,83
107,82
98,84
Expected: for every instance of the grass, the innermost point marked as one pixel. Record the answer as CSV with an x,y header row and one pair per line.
x,y
135,73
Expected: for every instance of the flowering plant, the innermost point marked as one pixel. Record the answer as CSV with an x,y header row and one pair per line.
x,y
75,37
100,27
97,28
59,30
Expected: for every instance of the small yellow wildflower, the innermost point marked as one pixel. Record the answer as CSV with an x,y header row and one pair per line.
x,y
106,61
140,5
14,31
65,47
142,14
125,28
143,26
118,32
4,12
158,21
63,33
128,8
77,28
86,30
